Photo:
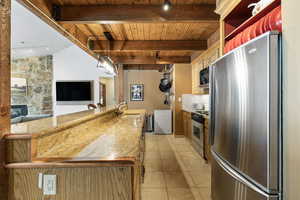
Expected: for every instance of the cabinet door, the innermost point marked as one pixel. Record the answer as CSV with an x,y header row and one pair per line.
x,y
190,128
207,142
207,145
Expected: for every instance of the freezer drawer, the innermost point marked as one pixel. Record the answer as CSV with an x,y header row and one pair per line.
x,y
227,184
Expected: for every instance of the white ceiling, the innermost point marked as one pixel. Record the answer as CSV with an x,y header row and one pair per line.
x,y
31,36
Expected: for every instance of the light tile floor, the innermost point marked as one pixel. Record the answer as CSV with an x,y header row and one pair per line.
x,y
174,170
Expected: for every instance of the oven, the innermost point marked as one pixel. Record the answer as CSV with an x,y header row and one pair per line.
x,y
198,133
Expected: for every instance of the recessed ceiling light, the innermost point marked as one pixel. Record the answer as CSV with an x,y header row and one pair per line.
x,y
167,5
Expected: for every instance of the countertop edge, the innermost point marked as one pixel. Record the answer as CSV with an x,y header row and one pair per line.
x,y
63,126
57,164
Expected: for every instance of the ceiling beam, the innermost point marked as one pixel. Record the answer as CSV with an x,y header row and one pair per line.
x,y
148,45
158,67
118,14
151,60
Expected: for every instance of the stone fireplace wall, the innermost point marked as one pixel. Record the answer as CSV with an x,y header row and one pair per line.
x,y
38,72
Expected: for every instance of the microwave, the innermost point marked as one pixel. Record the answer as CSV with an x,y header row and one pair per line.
x,y
204,77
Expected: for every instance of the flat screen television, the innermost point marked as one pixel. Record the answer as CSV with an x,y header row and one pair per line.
x,y
67,91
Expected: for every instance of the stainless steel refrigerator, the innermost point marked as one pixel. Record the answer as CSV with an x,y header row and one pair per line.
x,y
245,122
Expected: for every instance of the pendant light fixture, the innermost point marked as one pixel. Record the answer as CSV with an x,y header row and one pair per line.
x,y
104,62
167,5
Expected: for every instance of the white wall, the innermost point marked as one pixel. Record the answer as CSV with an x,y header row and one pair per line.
x,y
153,97
74,64
291,114
189,99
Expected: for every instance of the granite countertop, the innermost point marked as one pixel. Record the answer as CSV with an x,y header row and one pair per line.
x,y
115,140
52,123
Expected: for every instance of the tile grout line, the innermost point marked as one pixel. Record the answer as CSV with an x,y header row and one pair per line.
x,y
179,159
180,163
164,176
173,151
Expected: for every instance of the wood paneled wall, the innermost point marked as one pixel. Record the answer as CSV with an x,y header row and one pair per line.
x,y
4,88
90,183
119,84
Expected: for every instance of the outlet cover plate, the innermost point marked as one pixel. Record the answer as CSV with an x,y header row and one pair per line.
x,y
49,184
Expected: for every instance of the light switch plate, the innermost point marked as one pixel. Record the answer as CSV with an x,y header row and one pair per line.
x,y
40,180
49,185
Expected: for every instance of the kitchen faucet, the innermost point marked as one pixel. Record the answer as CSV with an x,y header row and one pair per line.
x,y
121,107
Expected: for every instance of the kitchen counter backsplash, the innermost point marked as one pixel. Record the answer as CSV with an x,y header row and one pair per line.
x,y
192,102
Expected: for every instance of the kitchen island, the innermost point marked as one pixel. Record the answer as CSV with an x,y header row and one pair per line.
x,y
93,154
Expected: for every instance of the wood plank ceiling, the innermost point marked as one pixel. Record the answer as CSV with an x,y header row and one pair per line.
x,y
139,30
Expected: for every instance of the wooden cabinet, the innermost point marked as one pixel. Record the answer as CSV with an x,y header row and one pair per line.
x,y
187,124
235,17
99,178
201,62
207,141
224,7
181,85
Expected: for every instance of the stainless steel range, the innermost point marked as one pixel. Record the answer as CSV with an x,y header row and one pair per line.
x,y
198,133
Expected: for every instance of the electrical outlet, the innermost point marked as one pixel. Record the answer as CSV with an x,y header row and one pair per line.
x,y
49,185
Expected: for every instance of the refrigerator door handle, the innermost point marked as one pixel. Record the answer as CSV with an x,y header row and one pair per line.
x,y
237,176
211,107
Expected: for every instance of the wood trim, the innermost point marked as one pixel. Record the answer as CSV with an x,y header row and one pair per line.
x,y
84,160
225,7
71,33
17,136
3,172
109,14
5,48
144,67
18,150
152,60
149,45
69,164
222,37
119,84
5,67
